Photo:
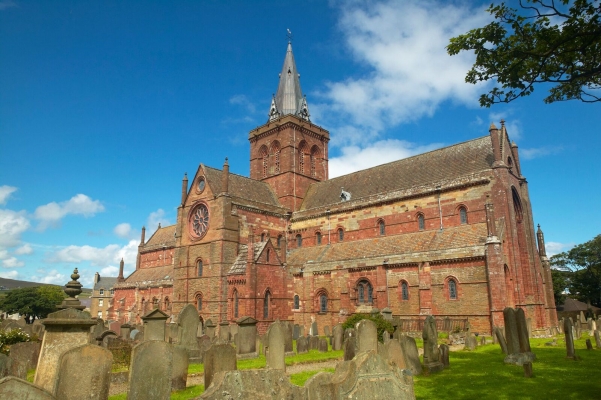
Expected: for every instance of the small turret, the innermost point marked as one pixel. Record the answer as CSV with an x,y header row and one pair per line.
x,y
184,187
225,176
496,145
142,239
120,278
540,236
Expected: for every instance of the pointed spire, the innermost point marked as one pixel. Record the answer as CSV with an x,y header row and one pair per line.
x,y
289,98
542,251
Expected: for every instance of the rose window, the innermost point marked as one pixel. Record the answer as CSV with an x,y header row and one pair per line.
x,y
199,220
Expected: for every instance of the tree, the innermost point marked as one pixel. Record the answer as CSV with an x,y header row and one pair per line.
x,y
36,302
545,42
584,262
561,281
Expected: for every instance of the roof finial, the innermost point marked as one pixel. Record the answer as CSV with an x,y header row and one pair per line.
x,y
502,122
289,35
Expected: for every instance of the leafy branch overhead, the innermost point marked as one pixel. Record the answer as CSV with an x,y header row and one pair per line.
x,y
543,42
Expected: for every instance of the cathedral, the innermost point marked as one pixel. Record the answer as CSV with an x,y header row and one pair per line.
x,y
447,233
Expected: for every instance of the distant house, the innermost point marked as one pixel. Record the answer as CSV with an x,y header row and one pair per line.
x,y
102,295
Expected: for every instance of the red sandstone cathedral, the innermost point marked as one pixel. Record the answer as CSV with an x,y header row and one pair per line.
x,y
447,233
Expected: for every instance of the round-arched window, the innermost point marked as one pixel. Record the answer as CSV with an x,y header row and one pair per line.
x,y
199,220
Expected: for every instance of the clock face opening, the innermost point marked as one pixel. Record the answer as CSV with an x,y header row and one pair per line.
x,y
199,220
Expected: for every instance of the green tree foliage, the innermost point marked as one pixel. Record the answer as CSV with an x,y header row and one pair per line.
x,y
561,281
12,337
35,302
545,41
583,266
381,323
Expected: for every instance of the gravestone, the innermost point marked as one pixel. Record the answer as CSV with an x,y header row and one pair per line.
x,y
367,336
301,331
84,373
518,342
511,331
288,337
246,340
150,371
470,343
385,336
133,334
154,325
387,313
569,336
349,346
115,327
224,331
326,330
179,370
313,342
411,354
589,345
139,336
187,322
276,345
200,330
597,339
498,333
348,332
323,345
338,336
302,345
314,331
172,333
431,350
218,358
15,388
5,365
38,328
393,353
96,331
296,332
444,355
125,330
65,330
528,370
204,344
523,335
24,357
210,328
104,338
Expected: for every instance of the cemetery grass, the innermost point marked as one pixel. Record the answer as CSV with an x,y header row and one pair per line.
x,y
482,374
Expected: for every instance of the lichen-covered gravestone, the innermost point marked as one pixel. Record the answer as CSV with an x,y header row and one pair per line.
x,y
338,337
84,373
569,336
15,388
302,345
276,345
150,371
411,354
431,351
323,345
219,357
24,357
188,321
349,347
367,336
179,371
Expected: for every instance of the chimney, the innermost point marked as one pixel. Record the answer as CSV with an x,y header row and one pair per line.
x,y
142,239
120,277
184,187
96,278
225,176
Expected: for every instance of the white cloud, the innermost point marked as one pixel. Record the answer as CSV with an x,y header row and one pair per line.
x,y
553,248
513,126
25,249
54,277
240,99
12,262
536,152
354,158
12,225
9,274
155,218
123,230
99,257
402,45
109,271
5,192
80,204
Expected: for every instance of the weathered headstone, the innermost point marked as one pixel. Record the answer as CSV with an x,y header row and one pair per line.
x,y
133,334
187,322
518,342
348,332
246,339
523,334
96,331
326,330
154,325
5,365
313,342
314,331
15,388
260,384
179,370
288,337
24,357
569,336
367,335
498,333
470,343
431,351
84,373
125,330
393,353
302,345
295,332
150,371
444,354
385,336
301,331
210,328
276,345
597,339
411,354
323,345
386,313
589,345
224,331
528,370
349,346
218,358
511,331
338,336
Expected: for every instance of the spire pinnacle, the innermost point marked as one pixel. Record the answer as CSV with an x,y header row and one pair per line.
x,y
289,98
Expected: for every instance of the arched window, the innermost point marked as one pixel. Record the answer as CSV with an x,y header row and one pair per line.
x,y
404,291
517,205
365,291
199,268
452,289
296,302
265,156
323,303
279,240
266,305
314,155
167,303
155,302
199,302
267,255
301,156
262,237
318,238
235,304
340,235
299,240
275,152
462,215
421,222
382,227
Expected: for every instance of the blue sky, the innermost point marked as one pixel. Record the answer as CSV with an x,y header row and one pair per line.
x,y
105,105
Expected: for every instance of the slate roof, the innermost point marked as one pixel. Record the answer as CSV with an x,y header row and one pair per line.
x,y
242,187
164,236
572,305
454,242
105,283
435,166
155,276
239,266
